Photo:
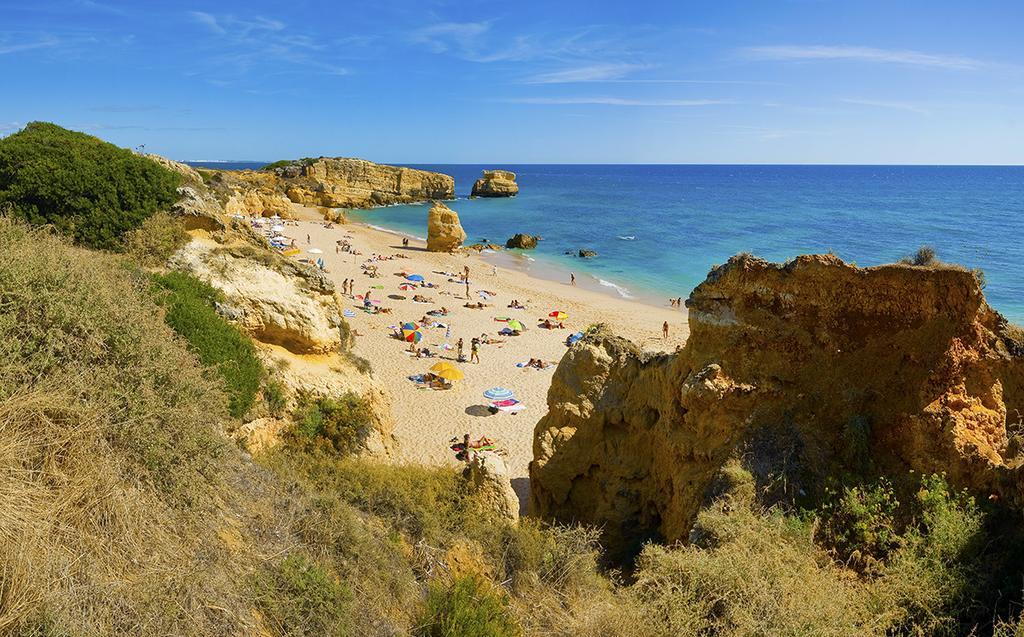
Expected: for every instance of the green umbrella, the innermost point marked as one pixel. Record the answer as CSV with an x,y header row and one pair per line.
x,y
514,324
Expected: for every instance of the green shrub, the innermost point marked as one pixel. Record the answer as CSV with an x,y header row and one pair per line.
x,y
859,523
335,425
298,597
153,243
275,398
468,607
86,188
190,312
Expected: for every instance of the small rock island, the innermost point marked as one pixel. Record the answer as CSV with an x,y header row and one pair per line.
x,y
496,183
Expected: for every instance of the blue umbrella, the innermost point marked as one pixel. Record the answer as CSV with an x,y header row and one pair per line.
x,y
498,393
415,277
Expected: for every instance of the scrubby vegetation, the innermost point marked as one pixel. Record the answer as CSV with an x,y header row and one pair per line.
x,y
305,161
333,425
88,189
190,311
153,242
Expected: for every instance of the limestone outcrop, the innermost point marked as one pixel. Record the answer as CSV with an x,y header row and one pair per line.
x,y
299,313
259,202
444,232
815,364
492,484
342,182
496,183
522,241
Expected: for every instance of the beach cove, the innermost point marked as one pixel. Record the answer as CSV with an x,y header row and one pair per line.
x,y
427,419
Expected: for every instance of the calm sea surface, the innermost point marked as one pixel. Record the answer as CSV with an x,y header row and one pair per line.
x,y
659,229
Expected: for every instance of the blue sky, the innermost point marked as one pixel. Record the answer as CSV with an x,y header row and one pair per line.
x,y
797,81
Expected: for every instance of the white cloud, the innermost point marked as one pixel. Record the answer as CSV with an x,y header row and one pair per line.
x,y
862,54
16,47
898,106
615,101
450,36
589,73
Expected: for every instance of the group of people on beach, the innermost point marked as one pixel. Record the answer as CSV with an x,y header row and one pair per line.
x,y
676,303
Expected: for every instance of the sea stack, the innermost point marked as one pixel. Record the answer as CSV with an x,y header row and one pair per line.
x,y
444,232
496,183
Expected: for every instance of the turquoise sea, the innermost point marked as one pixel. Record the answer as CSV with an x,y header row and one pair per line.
x,y
658,229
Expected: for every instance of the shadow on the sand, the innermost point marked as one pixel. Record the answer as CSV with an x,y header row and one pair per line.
x,y
409,248
479,410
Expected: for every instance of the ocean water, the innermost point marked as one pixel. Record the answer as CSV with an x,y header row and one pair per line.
x,y
658,229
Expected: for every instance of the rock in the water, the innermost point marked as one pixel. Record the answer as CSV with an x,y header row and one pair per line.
x,y
493,485
444,232
522,241
586,254
496,183
814,364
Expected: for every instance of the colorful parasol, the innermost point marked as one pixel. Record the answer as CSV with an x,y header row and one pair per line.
x,y
558,314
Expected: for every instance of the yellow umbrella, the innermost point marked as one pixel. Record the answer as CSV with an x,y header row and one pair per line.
x,y
557,314
442,365
450,374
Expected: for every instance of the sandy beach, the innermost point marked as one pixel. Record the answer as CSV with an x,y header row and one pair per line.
x,y
426,419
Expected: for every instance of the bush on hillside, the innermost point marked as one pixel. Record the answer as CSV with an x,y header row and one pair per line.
x,y
86,188
190,312
299,598
336,425
468,607
159,236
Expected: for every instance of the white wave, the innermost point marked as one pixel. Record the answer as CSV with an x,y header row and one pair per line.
x,y
623,292
628,238
394,232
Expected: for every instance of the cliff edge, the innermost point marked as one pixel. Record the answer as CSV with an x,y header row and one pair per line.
x,y
806,369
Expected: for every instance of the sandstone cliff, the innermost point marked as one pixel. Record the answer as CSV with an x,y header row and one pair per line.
x,y
496,183
444,232
806,369
356,183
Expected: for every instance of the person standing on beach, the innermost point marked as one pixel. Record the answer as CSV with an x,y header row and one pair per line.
x,y
664,330
572,278
307,239
458,350
474,347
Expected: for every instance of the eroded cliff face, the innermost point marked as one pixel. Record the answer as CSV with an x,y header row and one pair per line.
x,y
356,183
815,363
444,231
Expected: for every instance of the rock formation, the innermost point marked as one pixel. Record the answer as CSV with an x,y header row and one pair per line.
x,y
816,365
586,254
522,241
444,232
356,183
496,183
259,202
492,484
301,314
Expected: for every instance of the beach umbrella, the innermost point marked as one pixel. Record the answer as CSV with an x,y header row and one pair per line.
x,y
498,393
407,287
414,277
411,333
558,314
450,374
514,324
315,251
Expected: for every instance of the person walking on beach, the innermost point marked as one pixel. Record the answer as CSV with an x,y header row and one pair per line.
x,y
474,347
664,330
458,351
572,278
307,239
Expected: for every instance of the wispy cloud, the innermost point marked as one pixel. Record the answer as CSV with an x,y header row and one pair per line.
x,y
616,101
862,54
43,42
10,127
897,106
589,73
445,37
244,44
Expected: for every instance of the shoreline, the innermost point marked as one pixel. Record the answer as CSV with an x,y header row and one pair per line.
x,y
547,269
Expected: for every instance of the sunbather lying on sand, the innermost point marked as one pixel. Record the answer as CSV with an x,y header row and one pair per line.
x,y
476,306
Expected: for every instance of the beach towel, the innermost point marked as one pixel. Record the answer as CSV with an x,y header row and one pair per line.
x,y
348,313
